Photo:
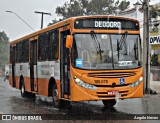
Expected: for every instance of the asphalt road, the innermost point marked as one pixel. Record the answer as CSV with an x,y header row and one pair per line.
x,y
11,102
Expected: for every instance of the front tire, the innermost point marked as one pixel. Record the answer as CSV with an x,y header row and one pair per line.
x,y
109,103
58,103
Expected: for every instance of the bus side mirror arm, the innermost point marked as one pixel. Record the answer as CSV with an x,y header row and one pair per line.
x,y
69,41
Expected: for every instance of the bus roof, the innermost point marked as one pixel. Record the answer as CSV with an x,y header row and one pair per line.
x,y
66,22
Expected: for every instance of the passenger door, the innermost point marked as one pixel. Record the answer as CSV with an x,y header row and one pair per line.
x,y
65,65
33,65
13,50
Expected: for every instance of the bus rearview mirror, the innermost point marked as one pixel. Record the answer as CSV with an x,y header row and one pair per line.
x,y
69,41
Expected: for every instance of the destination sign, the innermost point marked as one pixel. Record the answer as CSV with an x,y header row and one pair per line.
x,y
106,23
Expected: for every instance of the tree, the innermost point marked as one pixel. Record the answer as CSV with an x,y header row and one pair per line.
x,y
4,49
101,7
154,60
123,5
74,8
152,12
89,7
53,22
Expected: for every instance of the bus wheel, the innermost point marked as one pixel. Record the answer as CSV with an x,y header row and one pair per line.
x,y
23,92
58,103
26,94
109,103
55,96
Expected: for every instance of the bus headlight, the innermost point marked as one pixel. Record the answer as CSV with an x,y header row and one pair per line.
x,y
136,83
83,84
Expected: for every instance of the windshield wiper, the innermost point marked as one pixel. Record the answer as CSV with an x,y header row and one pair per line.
x,y
97,44
118,49
136,50
112,51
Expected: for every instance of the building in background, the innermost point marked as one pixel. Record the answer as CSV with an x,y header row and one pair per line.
x,y
136,13
155,43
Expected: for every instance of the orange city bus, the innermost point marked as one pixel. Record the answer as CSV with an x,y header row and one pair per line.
x,y
84,58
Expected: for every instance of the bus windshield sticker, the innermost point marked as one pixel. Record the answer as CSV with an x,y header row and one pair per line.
x,y
122,81
79,62
125,63
103,36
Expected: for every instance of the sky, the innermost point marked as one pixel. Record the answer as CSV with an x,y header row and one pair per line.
x,y
16,28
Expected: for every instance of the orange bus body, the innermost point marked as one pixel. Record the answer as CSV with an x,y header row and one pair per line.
x,y
48,71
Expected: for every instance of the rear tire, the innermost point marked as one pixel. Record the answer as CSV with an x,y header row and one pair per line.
x,y
58,103
23,92
109,103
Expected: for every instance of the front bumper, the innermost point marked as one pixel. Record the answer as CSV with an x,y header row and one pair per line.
x,y
101,93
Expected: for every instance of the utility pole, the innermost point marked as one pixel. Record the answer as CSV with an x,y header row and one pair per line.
x,y
146,47
42,16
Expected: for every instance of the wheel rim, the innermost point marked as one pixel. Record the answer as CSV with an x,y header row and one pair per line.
x,y
55,97
22,89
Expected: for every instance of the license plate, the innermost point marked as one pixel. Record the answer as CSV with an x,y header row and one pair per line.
x,y
114,92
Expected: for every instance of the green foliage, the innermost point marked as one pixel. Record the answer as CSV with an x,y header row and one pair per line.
x,y
124,5
154,60
152,12
75,8
53,22
90,7
101,7
4,49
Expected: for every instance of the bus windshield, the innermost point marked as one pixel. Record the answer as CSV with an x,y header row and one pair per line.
x,y
106,51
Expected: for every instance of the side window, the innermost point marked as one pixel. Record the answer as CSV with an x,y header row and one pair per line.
x,y
53,45
25,51
43,46
19,52
22,51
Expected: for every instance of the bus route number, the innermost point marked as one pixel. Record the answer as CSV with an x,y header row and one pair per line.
x,y
101,81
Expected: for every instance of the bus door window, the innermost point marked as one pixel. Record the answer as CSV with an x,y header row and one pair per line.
x,y
33,61
65,64
12,61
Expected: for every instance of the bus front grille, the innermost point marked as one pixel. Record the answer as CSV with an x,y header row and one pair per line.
x,y
121,92
111,85
105,94
111,74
